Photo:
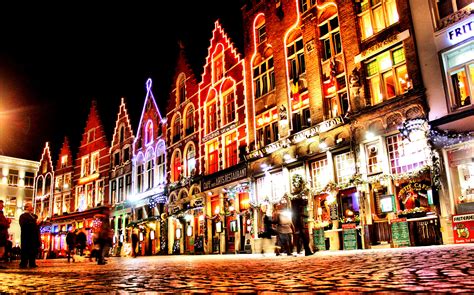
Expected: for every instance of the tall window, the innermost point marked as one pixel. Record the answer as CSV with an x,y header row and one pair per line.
x,y
231,150
176,165
29,179
345,167
321,173
330,38
459,65
63,161
128,185
190,159
404,155
181,89
176,128
267,128
113,191
13,177
189,120
161,167
264,77
211,117
95,163
376,15
218,64
58,184
213,157
301,117
373,158
387,75
120,190
306,4
121,134
261,33
140,178
296,60
149,173
149,133
85,166
229,107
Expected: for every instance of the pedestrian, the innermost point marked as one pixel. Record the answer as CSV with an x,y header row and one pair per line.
x,y
105,239
81,242
285,228
30,237
4,225
71,243
268,231
134,244
298,217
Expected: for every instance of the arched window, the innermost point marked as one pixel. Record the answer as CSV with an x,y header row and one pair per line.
x,y
211,111
149,133
176,128
121,134
229,102
190,159
181,89
189,120
218,63
176,166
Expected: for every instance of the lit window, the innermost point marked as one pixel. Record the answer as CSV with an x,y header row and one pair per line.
x,y
63,161
267,128
160,162
211,117
376,15
404,155
296,59
229,107
387,75
190,160
149,173
321,173
189,120
345,167
213,157
459,66
218,64
177,128
139,178
373,158
149,133
176,166
95,163
85,166
264,77
231,150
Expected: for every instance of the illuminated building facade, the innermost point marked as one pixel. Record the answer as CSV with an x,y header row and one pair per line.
x,y
121,152
339,117
185,219
148,198
445,42
17,185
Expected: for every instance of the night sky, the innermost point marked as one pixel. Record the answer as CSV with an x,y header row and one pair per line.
x,y
55,60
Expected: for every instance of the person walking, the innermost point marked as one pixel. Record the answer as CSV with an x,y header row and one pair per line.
x,y
268,231
285,228
105,239
71,244
30,237
81,242
134,244
298,205
4,225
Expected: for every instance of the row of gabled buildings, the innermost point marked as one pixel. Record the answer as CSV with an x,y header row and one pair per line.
x,y
343,109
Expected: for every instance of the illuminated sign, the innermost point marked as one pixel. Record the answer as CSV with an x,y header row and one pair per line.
x,y
219,132
230,176
461,32
381,46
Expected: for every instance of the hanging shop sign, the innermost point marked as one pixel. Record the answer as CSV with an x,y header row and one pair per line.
x,y
415,194
463,228
225,177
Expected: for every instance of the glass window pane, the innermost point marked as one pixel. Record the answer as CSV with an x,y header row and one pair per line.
x,y
366,26
375,93
392,13
372,68
337,43
389,84
402,78
379,22
323,29
460,88
299,44
385,61
327,48
398,55
334,23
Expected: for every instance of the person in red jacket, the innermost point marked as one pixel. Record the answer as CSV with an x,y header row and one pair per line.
x,y
4,225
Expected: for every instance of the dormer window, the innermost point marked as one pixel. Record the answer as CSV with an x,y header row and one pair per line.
x,y
218,64
181,89
149,133
63,161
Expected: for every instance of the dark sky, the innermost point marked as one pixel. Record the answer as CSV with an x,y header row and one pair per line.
x,y
55,60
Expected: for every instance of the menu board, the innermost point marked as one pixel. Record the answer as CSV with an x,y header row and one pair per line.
x,y
349,236
319,240
400,233
333,212
463,228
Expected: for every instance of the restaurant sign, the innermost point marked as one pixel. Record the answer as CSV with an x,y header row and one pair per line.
x,y
225,178
219,132
463,228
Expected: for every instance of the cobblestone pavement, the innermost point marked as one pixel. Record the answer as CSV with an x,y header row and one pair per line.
x,y
420,269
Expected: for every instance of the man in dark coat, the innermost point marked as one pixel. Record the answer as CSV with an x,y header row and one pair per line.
x,y
81,241
30,237
71,243
298,207
4,225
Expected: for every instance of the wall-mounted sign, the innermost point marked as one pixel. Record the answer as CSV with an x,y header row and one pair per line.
x,y
226,177
400,233
221,131
461,32
381,46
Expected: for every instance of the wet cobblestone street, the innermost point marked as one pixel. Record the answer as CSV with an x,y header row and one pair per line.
x,y
420,269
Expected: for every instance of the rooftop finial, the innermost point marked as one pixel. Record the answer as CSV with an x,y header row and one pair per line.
x,y
148,84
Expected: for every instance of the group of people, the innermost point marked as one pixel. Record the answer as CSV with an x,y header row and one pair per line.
x,y
285,220
31,238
